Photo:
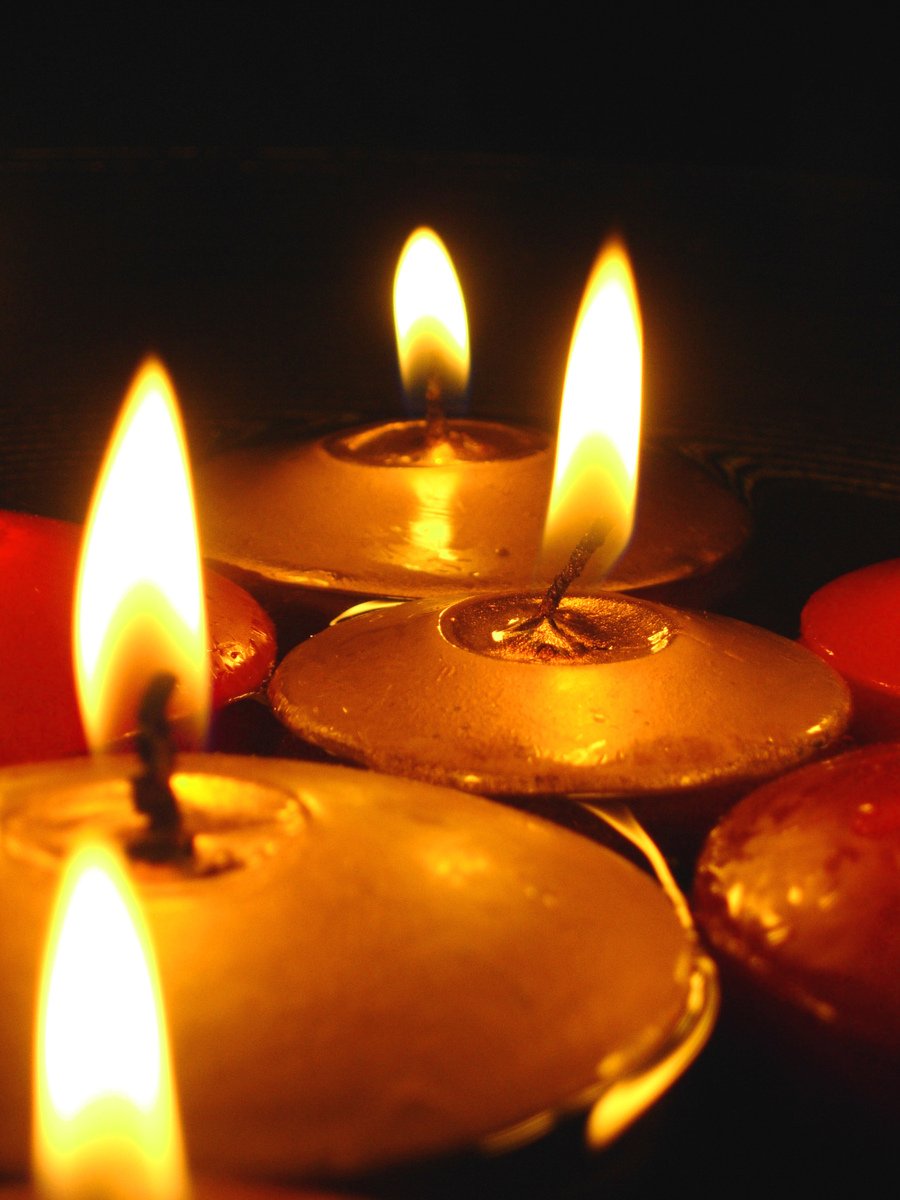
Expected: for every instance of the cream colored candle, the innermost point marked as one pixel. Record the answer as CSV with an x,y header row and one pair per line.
x,y
315,517
667,703
425,508
387,971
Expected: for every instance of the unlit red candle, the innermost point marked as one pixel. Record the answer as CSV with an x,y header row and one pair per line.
x,y
798,891
853,623
38,709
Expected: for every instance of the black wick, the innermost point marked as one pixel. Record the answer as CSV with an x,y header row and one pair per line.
x,y
545,636
436,427
581,555
165,839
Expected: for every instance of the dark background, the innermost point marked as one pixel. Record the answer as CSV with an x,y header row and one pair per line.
x,y
735,89
232,191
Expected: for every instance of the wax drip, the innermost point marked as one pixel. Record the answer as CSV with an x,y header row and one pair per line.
x,y
165,839
544,633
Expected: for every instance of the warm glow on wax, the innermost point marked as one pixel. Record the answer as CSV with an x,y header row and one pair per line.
x,y
599,427
105,1115
139,601
430,318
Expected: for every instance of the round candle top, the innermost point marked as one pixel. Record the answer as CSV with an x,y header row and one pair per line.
x,y
852,623
360,513
409,444
799,888
388,970
664,700
39,713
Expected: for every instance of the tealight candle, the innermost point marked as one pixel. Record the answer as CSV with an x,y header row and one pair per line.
x,y
852,624
798,891
386,971
39,711
512,693
668,703
422,508
309,523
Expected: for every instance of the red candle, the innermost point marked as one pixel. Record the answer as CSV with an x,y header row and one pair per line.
x,y
853,623
798,893
38,710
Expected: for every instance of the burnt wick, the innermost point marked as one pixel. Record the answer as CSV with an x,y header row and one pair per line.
x,y
165,838
437,430
543,633
440,443
578,560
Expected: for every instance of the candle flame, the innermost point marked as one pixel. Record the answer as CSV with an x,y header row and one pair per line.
x,y
430,320
139,599
105,1112
595,476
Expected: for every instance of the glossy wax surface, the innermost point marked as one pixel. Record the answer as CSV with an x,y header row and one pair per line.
x,y
799,887
708,701
852,623
308,516
395,970
38,709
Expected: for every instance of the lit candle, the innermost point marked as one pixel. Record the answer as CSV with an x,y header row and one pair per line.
x,y
852,624
359,970
427,507
798,892
386,971
38,558
604,693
